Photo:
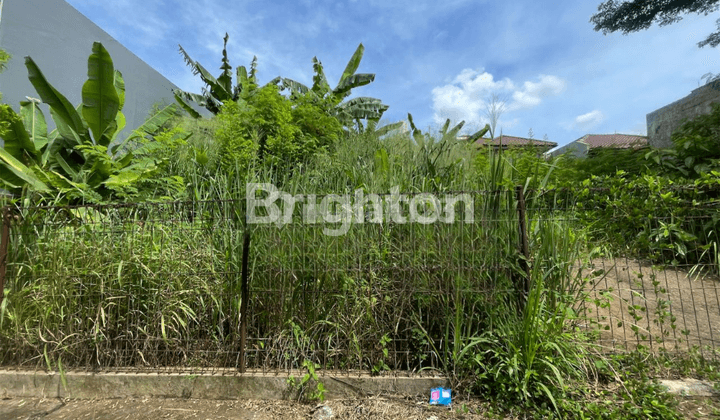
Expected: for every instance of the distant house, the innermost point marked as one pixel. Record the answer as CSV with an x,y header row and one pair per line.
x,y
505,142
585,144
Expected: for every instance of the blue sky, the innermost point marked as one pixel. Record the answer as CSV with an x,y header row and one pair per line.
x,y
433,59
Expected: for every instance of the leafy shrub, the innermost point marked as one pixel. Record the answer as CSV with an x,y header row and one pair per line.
x,y
238,145
273,129
653,216
697,144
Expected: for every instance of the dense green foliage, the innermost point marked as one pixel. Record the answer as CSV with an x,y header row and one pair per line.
x,y
696,148
636,15
273,129
652,203
80,160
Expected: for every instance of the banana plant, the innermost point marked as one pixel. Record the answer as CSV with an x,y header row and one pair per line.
x,y
80,156
371,127
353,111
437,158
218,90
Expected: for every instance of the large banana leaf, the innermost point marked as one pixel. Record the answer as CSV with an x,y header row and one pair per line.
x,y
120,123
153,124
352,65
99,94
69,170
320,83
215,87
388,128
14,174
150,126
60,182
276,81
452,134
243,82
211,103
294,87
62,108
54,135
68,138
119,83
417,134
363,101
34,120
16,139
445,127
110,131
356,80
181,96
363,108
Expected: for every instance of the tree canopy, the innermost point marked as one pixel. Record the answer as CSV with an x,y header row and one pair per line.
x,y
636,15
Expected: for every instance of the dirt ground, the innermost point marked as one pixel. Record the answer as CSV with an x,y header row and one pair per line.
x,y
154,408
188,409
640,304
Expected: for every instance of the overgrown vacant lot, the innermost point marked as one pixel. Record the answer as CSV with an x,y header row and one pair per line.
x,y
142,255
638,303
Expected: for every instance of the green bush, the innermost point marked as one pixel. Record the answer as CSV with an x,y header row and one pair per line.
x,y
697,144
273,129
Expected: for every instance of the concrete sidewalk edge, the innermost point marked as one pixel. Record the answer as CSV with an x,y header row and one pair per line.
x,y
86,385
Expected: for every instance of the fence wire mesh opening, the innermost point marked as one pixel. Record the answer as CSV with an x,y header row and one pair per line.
x,y
157,286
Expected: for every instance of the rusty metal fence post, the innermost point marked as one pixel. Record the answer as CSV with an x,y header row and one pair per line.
x,y
4,242
244,296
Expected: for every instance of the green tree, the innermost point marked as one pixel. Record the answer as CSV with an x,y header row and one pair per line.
x,y
270,128
313,117
636,15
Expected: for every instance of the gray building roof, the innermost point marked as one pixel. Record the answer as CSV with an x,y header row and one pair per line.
x,y
584,144
513,141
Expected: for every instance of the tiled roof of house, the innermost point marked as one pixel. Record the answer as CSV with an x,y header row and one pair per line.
x,y
617,141
516,141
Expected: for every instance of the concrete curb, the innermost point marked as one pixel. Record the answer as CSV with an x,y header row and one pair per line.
x,y
86,385
689,387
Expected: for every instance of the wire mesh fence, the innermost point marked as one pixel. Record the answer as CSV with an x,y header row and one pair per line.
x,y
158,285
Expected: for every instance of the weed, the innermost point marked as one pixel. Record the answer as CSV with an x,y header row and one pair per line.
x,y
309,387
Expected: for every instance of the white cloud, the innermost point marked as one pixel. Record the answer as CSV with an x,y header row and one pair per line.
x,y
589,120
466,97
533,93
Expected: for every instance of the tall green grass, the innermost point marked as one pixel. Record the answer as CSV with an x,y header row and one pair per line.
x,y
157,285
